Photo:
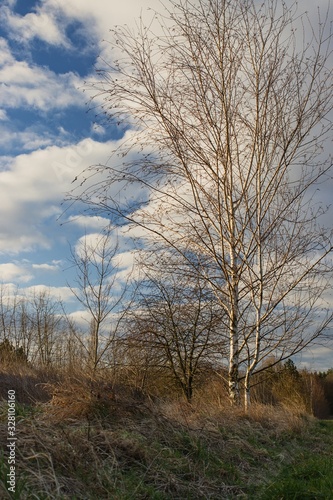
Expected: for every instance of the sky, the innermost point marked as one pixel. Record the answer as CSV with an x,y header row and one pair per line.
x,y
49,134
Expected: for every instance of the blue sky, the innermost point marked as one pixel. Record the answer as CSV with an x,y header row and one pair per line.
x,y
48,49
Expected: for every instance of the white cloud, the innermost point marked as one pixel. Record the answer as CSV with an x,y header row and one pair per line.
x,y
97,129
25,84
105,14
27,140
51,17
32,187
61,293
3,115
5,54
46,267
91,243
36,87
40,24
82,318
86,221
13,239
14,272
124,262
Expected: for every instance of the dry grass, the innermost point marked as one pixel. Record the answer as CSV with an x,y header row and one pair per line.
x,y
92,440
29,383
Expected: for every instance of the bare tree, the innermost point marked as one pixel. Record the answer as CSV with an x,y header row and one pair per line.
x,y
72,350
32,323
8,307
24,327
45,317
175,320
231,107
98,289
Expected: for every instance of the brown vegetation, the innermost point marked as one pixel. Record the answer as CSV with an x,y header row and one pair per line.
x,y
92,439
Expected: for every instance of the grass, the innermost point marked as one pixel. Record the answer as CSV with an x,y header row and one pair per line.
x,y
87,445
309,475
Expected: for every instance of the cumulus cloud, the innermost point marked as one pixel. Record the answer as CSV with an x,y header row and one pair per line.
x,y
81,318
29,85
46,267
50,18
92,244
14,272
98,129
31,190
104,14
23,271
89,222
35,24
118,252
26,141
5,55
32,187
61,293
36,87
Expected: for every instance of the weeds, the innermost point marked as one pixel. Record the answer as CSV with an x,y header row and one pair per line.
x,y
91,443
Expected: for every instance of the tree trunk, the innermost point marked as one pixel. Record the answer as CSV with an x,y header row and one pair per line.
x,y
247,392
234,363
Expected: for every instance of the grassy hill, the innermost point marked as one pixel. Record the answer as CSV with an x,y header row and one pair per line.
x,y
98,444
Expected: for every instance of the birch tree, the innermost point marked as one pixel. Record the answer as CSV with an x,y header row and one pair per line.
x,y
229,102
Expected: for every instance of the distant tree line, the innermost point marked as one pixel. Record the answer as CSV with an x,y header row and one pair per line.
x,y
166,342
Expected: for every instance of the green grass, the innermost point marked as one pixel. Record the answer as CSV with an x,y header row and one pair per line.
x,y
309,475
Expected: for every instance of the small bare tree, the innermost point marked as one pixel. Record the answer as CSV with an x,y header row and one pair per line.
x,y
99,290
8,309
231,105
25,333
45,317
175,319
31,322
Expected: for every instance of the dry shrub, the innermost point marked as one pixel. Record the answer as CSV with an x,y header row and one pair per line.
x,y
30,384
155,382
213,393
93,399
58,455
75,399
49,458
279,418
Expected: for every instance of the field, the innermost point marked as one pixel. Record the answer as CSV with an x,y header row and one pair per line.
x,y
87,444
